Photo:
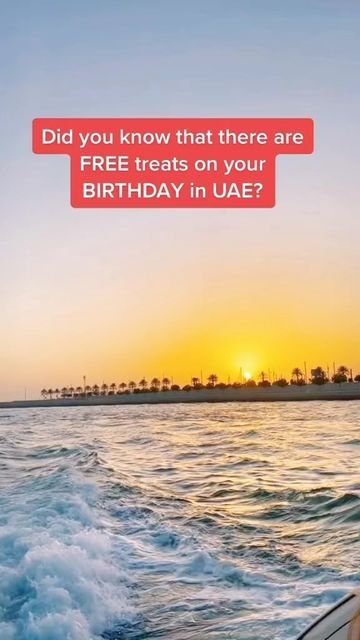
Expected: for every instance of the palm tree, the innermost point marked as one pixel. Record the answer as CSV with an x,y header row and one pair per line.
x,y
281,382
263,381
113,387
195,382
143,384
78,390
212,379
71,390
132,385
50,393
343,370
44,393
64,392
250,383
297,373
122,386
96,389
155,384
318,376
341,374
88,389
57,392
165,384
104,389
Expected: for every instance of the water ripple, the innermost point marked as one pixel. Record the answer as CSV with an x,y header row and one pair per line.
x,y
177,522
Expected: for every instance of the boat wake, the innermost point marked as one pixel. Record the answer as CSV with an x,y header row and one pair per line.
x,y
177,522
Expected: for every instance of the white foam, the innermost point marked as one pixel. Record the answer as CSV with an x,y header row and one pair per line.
x,y
57,577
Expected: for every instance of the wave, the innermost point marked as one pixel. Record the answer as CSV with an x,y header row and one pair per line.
x,y
178,522
57,575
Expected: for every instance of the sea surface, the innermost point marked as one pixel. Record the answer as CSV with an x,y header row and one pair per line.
x,y
207,521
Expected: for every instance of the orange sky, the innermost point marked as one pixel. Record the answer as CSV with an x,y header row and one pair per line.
x,y
164,327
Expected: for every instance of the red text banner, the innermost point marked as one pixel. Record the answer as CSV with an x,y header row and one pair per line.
x,y
173,162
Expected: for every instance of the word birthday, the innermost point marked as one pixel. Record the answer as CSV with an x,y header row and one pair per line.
x,y
173,162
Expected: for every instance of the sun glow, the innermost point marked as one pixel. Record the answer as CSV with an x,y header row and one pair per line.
x,y
247,375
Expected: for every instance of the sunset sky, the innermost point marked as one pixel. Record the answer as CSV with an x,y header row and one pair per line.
x,y
117,295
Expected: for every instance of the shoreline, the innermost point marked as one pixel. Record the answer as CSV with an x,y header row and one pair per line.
x,y
329,392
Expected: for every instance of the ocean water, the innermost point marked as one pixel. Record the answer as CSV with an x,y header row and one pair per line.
x,y
177,522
